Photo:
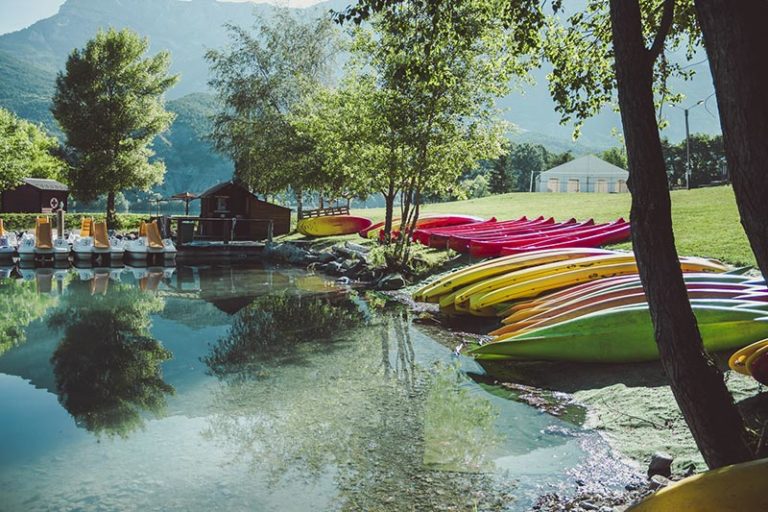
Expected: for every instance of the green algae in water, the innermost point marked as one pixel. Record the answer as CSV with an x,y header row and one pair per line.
x,y
639,421
460,431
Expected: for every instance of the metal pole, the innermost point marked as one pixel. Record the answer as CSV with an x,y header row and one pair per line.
x,y
531,187
60,223
687,153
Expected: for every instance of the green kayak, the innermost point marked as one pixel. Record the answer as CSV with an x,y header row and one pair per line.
x,y
625,334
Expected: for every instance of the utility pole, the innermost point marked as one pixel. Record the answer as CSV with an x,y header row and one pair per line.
x,y
687,151
688,139
531,187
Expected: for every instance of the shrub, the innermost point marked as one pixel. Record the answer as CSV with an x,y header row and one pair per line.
x,y
26,221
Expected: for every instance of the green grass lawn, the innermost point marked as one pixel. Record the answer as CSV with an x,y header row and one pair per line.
x,y
706,221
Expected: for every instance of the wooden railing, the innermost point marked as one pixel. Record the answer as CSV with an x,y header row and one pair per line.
x,y
324,212
227,232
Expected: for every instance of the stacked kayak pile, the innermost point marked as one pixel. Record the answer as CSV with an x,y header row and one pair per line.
x,y
585,304
494,238
423,222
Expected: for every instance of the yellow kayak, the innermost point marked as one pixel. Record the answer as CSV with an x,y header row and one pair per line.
x,y
737,488
532,284
529,274
739,360
485,270
332,225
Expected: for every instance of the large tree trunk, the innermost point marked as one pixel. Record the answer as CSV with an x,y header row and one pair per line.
x,y
111,214
696,382
735,39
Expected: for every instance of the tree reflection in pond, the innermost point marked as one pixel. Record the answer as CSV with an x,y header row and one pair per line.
x,y
272,326
107,366
20,305
366,414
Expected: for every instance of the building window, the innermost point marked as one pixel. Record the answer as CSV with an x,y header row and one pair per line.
x,y
573,185
221,204
553,185
602,186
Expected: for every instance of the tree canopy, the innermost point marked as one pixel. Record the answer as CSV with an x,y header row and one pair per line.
x,y
26,151
109,103
260,78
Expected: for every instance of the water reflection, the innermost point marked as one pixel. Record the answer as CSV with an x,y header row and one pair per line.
x,y
107,367
290,394
271,326
393,435
20,304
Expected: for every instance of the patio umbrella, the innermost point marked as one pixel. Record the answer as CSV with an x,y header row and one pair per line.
x,y
186,197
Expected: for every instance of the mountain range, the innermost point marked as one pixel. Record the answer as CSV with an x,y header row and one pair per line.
x,y
30,59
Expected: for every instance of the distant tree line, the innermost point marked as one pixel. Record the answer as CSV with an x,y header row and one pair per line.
x,y
708,164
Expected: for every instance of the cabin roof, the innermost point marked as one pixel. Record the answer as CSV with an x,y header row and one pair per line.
x,y
218,187
44,184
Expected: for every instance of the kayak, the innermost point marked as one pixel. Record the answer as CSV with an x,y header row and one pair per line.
x,y
493,268
592,288
736,488
601,302
333,225
611,236
423,233
528,284
460,241
625,334
491,248
425,221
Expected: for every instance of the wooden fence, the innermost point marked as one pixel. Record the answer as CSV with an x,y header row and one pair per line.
x,y
324,212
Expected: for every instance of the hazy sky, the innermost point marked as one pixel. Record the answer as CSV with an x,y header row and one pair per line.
x,y
18,14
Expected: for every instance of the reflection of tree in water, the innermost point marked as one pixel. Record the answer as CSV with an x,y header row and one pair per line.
x,y
272,326
20,305
107,367
367,411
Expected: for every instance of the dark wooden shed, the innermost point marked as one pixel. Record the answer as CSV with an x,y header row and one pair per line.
x,y
35,196
231,200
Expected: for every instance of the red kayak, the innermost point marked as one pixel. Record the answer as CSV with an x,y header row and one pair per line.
x,y
615,235
422,233
427,221
460,242
493,247
438,238
534,231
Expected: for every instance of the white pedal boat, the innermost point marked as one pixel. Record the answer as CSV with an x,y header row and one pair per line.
x,y
149,244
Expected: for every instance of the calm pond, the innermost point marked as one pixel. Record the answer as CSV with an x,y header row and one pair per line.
x,y
227,388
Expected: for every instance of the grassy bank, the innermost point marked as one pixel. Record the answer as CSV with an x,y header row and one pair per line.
x,y
706,221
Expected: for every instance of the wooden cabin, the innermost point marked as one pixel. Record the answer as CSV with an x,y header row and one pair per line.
x,y
35,196
231,200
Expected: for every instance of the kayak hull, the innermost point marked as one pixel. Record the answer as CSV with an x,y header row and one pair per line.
x,y
624,335
730,489
333,225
